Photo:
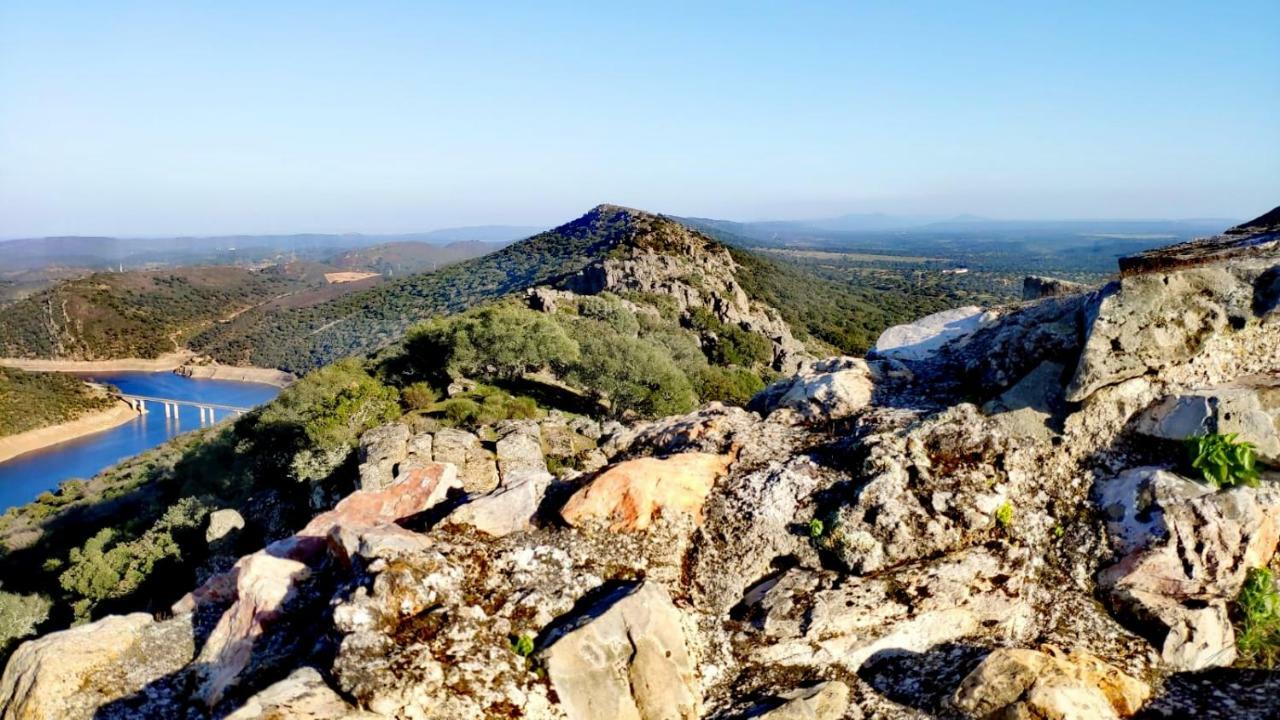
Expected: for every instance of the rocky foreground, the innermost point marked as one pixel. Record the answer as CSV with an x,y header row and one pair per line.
x,y
989,516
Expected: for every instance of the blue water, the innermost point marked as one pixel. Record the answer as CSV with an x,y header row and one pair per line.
x,y
26,476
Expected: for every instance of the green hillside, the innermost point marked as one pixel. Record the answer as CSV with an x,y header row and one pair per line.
x,y
30,400
302,339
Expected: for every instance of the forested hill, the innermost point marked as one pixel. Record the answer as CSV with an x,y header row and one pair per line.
x,y
302,339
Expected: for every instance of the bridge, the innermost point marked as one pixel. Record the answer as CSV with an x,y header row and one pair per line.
x,y
171,406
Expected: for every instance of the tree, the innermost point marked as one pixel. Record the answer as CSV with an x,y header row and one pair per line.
x,y
633,375
495,342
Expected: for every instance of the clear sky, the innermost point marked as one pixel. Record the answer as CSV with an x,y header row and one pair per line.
x,y
151,118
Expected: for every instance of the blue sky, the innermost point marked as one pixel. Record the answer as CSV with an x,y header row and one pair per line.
x,y
183,117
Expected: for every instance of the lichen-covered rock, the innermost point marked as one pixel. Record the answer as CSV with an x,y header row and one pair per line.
x,y
380,450
1189,554
301,696
629,496
1154,320
625,658
823,391
817,618
476,467
72,674
1049,683
1248,407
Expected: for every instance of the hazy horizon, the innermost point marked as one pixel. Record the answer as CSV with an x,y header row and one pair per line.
x,y
148,119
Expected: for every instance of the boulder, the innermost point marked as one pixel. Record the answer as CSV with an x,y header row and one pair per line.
x,y
630,495
806,617
222,523
264,584
301,696
1036,287
476,468
508,509
1048,683
1148,322
824,701
71,674
1189,552
380,449
920,340
625,658
1249,408
826,390
519,452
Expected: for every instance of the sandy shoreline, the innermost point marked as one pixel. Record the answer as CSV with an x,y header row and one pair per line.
x,y
13,445
168,361
269,376
176,362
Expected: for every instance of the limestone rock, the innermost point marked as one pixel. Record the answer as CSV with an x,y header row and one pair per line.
x,y
1190,555
625,658
507,509
826,390
1258,238
476,467
71,674
301,696
380,449
824,620
824,701
1151,321
630,495
1249,407
1049,683
223,523
1036,287
921,339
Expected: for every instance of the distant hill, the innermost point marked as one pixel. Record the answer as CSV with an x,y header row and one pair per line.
x,y
138,314
134,253
305,338
409,257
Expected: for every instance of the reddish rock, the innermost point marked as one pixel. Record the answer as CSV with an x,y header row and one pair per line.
x,y
631,494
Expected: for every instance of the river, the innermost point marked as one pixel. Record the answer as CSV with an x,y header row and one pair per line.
x,y
26,476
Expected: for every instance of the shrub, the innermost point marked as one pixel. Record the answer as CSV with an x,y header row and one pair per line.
x,y
461,411
734,386
419,396
608,309
20,615
817,528
522,645
1224,461
633,375
1004,515
494,342
1258,625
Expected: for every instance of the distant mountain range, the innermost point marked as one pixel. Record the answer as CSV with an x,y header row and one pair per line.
x,y
96,252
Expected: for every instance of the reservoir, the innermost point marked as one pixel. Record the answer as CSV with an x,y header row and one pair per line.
x,y
26,476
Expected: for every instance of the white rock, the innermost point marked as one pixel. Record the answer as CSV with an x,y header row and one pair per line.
x,y
919,340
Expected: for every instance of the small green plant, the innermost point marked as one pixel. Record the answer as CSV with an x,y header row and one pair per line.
x,y
522,645
1223,460
1059,531
1258,611
1004,515
817,528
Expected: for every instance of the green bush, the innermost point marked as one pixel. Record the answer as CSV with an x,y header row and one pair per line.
x,y
314,425
1004,515
419,396
608,309
1258,624
1224,461
633,376
20,615
733,386
494,342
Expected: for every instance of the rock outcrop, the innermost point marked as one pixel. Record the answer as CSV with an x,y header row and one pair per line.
x,y
1049,683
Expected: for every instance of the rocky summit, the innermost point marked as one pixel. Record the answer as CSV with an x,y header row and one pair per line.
x,y
993,515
